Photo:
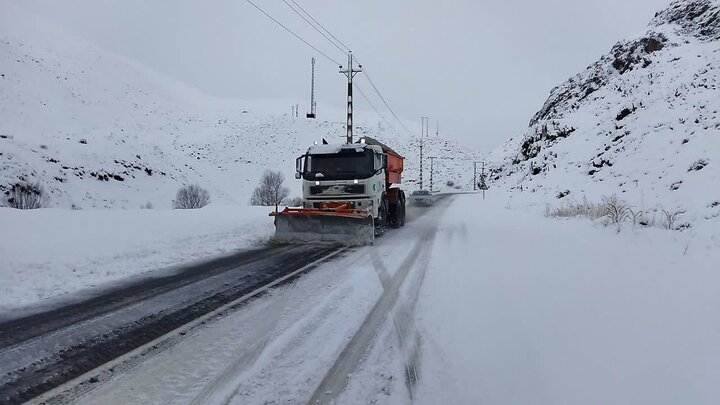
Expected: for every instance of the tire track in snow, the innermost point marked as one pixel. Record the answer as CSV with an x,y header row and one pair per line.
x,y
337,377
246,356
408,336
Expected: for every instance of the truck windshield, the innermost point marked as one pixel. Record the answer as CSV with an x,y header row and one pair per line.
x,y
340,166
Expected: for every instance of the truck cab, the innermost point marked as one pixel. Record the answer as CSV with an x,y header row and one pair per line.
x,y
359,174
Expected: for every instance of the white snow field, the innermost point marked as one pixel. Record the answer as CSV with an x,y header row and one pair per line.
x,y
53,253
499,306
100,131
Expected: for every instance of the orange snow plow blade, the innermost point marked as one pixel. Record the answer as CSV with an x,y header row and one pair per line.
x,y
338,223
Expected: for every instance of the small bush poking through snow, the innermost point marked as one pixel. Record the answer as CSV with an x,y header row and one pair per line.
x,y
191,197
26,196
616,211
270,191
573,209
670,219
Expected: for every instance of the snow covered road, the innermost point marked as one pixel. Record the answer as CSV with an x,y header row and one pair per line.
x,y
502,306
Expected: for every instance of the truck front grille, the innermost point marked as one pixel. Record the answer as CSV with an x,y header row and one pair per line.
x,y
342,189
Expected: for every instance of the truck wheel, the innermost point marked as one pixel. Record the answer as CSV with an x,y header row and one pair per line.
x,y
401,216
381,220
395,216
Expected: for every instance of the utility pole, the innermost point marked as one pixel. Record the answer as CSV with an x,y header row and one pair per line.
x,y
432,159
475,176
483,176
350,73
421,163
422,139
437,130
425,126
311,114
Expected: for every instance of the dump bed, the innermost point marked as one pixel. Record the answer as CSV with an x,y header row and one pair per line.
x,y
394,161
395,167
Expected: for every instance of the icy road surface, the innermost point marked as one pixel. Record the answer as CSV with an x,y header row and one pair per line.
x,y
474,303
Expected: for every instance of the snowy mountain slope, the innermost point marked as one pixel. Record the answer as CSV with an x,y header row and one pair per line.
x,y
642,122
99,130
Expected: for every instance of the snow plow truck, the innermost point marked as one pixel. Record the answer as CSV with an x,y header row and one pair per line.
x,y
350,194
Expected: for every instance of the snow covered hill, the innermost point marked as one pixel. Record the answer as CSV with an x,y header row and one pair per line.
x,y
642,122
99,130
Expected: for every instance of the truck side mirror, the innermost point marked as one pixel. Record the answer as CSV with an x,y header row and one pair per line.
x,y
298,167
379,162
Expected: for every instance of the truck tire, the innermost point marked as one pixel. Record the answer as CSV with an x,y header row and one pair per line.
x,y
381,221
395,218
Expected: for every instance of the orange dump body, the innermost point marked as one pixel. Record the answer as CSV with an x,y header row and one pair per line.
x,y
395,168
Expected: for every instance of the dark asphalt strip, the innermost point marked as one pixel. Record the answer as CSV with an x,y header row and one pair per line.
x,y
22,329
248,272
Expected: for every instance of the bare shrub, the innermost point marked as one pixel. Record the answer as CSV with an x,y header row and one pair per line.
x,y
670,219
616,211
191,197
636,217
270,191
26,196
574,209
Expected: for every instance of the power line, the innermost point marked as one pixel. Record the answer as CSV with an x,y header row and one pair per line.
x,y
385,101
316,28
382,116
294,34
320,25
387,105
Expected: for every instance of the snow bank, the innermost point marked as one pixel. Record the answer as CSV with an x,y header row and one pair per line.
x,y
49,253
517,308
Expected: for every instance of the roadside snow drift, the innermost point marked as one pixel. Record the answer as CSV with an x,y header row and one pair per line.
x,y
520,309
54,252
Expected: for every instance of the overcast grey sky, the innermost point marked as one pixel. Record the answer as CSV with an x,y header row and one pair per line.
x,y
481,68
